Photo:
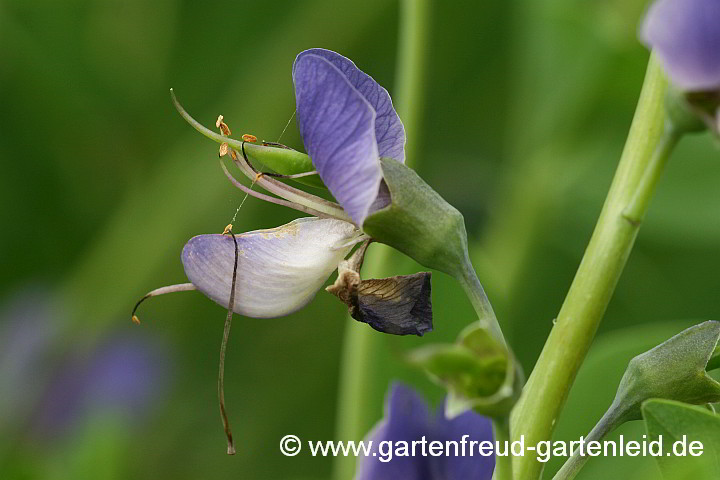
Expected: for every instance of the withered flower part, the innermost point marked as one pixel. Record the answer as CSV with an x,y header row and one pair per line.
x,y
399,305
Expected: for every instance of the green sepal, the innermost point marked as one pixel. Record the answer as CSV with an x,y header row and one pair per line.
x,y
678,422
419,222
478,372
687,113
674,370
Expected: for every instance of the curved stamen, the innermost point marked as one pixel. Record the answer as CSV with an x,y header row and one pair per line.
x,y
286,191
181,287
273,186
295,175
268,198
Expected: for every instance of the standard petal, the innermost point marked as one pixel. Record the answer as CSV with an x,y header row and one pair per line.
x,y
279,270
337,127
686,36
406,419
389,129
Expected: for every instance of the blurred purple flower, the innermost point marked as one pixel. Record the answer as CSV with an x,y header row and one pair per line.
x,y
685,34
347,122
121,375
29,326
408,419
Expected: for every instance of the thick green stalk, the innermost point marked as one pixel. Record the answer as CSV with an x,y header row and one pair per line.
x,y
354,417
411,67
635,180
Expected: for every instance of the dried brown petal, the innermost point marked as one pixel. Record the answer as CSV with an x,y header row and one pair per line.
x,y
397,305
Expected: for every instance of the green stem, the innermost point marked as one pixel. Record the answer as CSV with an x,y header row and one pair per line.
x,y
411,67
503,465
639,203
640,166
486,316
609,422
358,370
480,302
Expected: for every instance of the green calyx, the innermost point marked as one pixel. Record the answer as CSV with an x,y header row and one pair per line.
x,y
691,112
419,222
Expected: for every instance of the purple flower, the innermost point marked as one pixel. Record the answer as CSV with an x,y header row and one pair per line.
x,y
279,270
123,375
347,122
685,34
407,420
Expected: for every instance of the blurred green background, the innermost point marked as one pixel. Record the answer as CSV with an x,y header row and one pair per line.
x,y
527,105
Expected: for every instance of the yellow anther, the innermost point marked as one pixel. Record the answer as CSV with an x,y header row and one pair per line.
x,y
224,129
135,320
258,176
228,229
223,149
249,138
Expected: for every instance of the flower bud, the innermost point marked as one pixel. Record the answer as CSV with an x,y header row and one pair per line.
x,y
674,370
478,371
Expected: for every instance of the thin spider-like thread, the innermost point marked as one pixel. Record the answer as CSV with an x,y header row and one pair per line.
x,y
286,125
247,194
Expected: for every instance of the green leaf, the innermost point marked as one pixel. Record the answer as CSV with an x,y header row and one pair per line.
x,y
680,426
